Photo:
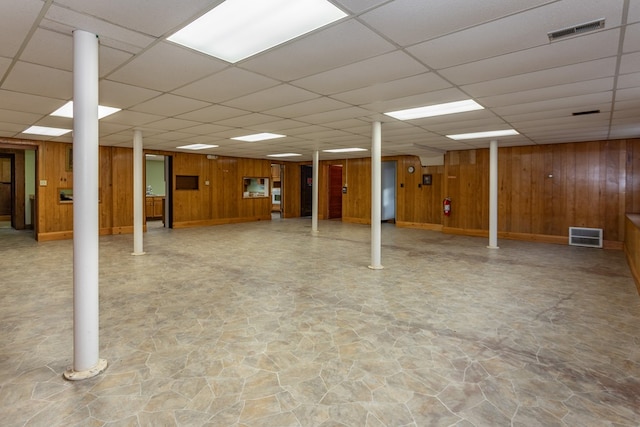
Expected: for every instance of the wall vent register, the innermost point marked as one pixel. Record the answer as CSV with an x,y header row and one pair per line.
x,y
590,237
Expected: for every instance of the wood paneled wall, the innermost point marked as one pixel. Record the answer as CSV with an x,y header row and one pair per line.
x,y
216,203
543,190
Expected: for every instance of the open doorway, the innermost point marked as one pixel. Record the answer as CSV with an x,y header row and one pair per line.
x,y
276,191
388,191
306,190
17,188
155,191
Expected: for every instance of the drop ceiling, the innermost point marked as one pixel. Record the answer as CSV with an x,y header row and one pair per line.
x,y
323,90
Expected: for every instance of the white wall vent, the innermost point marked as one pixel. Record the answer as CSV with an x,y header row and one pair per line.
x,y
580,236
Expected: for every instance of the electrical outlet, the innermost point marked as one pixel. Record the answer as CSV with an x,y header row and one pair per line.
x,y
43,183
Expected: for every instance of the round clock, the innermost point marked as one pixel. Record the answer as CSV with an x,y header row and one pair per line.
x,y
411,169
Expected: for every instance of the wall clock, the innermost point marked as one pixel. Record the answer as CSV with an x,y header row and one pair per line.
x,y
411,169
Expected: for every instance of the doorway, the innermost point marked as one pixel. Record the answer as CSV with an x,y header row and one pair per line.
x,y
335,192
388,191
17,187
306,190
158,211
6,190
276,191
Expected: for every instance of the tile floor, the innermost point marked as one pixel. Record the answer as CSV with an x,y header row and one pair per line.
x,y
262,324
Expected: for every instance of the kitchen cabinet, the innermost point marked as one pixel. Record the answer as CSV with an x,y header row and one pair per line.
x,y
154,207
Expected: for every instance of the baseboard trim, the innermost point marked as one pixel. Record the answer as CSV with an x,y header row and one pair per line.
x,y
419,225
222,221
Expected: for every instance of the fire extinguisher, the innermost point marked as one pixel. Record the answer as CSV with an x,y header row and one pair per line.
x,y
446,206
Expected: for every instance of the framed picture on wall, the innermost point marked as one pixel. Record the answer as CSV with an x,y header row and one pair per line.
x,y
426,179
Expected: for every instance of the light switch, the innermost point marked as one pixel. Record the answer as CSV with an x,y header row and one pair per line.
x,y
43,183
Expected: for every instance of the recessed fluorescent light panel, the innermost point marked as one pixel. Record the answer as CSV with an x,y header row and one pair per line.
x,y
284,155
46,131
490,134
436,110
258,137
67,111
197,146
344,150
237,29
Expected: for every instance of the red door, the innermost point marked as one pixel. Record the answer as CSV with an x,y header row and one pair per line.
x,y
335,192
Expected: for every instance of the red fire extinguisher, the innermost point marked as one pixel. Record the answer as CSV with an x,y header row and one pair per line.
x,y
446,206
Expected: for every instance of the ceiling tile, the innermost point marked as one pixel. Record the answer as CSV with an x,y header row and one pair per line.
x,y
158,16
225,85
630,63
253,119
171,124
114,94
16,24
632,38
131,118
272,97
165,67
544,78
50,49
213,114
18,117
28,103
205,129
551,92
107,30
578,103
393,89
629,80
313,106
516,32
169,105
381,69
40,80
358,6
434,18
418,100
350,42
572,51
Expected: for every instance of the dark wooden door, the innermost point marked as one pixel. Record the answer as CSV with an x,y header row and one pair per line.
x,y
306,190
5,187
335,191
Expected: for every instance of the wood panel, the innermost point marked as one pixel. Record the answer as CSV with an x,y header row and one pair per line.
x,y
592,184
632,246
122,187
356,204
291,191
105,187
543,190
53,216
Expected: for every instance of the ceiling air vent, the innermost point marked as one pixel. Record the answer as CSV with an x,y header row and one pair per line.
x,y
584,113
578,29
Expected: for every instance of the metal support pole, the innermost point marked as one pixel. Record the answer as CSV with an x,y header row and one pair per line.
x,y
138,194
315,188
86,363
493,195
376,195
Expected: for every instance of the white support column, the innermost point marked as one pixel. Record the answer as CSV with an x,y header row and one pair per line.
x,y
315,188
376,195
493,195
138,194
86,362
